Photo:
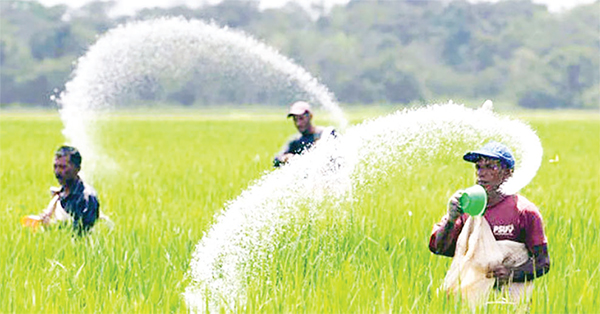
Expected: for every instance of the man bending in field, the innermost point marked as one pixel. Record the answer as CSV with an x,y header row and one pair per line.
x,y
74,201
308,134
510,217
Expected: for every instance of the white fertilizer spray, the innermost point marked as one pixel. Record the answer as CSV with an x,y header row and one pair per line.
x,y
248,228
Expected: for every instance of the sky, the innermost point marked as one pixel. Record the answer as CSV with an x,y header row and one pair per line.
x,y
129,7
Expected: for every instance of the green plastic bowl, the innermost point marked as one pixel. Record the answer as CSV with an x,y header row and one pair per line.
x,y
473,200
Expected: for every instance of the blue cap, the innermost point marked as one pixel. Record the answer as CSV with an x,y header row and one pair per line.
x,y
492,150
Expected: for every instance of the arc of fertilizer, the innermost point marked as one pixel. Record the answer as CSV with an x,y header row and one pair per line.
x,y
170,51
246,231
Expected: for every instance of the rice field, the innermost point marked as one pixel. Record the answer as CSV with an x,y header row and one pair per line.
x,y
176,170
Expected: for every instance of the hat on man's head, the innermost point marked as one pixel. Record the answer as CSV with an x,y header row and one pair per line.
x,y
492,150
299,108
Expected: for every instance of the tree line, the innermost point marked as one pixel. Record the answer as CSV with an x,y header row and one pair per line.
x,y
365,52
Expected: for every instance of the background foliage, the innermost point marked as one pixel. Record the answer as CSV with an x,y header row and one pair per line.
x,y
380,52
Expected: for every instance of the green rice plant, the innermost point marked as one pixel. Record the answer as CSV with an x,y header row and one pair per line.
x,y
174,172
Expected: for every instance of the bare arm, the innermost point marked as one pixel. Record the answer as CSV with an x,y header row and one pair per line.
x,y
536,266
282,159
445,233
284,155
49,211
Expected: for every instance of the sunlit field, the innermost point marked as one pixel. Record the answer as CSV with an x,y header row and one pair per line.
x,y
175,170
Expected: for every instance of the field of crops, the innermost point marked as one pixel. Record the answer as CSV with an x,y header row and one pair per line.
x,y
174,171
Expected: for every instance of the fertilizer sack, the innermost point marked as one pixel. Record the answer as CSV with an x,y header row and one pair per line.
x,y
477,253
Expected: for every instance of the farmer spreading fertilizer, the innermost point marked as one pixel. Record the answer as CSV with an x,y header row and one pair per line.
x,y
496,240
308,134
74,201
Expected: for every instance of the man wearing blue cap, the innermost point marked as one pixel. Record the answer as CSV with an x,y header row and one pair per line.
x,y
510,217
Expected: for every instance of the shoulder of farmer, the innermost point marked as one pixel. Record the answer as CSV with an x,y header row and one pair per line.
x,y
294,138
89,191
527,208
295,145
533,222
294,142
321,131
91,197
289,143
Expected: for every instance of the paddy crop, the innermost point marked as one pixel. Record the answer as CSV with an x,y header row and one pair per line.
x,y
174,171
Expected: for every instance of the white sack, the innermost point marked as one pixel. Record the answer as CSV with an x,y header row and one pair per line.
x,y
477,253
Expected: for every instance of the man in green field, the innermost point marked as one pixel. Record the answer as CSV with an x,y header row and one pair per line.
x,y
510,217
74,201
308,134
